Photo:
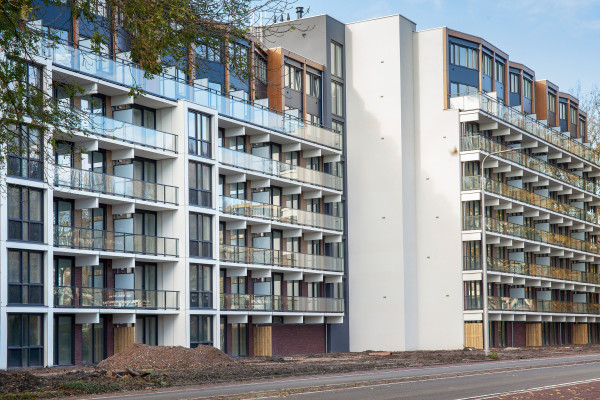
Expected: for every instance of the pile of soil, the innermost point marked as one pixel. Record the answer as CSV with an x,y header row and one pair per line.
x,y
144,357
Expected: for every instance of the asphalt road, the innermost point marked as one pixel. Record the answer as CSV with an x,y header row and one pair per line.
x,y
445,382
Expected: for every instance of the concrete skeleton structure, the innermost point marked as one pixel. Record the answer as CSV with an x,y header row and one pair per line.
x,y
225,211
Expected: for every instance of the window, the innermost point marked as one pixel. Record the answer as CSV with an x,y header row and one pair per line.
x,y
237,190
25,214
199,134
25,154
239,340
200,235
337,127
314,119
63,333
25,277
95,104
315,289
237,143
292,201
200,286
573,116
552,102
515,86
562,110
313,205
473,295
581,128
25,340
336,99
486,64
313,163
313,85
463,56
292,77
146,329
337,67
260,68
472,254
200,330
459,89
133,114
210,52
93,343
200,180
527,89
499,71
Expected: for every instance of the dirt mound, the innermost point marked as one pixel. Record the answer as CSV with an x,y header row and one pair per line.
x,y
144,357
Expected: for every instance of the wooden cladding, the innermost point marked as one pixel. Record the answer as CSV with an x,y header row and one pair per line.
x,y
474,335
263,341
124,337
533,335
580,334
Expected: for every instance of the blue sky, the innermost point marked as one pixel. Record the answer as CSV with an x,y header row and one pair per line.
x,y
558,39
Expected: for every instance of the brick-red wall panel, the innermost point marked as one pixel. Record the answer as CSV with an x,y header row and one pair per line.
x,y
298,339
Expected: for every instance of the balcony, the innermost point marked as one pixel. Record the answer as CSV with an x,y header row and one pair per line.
x,y
482,143
543,271
502,189
82,297
95,239
525,232
545,306
499,110
126,132
249,255
98,182
279,169
126,74
270,303
286,215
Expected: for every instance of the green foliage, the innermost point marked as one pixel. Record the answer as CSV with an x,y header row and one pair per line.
x,y
493,355
90,387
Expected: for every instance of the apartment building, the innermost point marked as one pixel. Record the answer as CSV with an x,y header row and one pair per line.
x,y
204,211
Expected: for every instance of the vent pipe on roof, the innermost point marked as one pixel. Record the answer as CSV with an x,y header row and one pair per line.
x,y
299,12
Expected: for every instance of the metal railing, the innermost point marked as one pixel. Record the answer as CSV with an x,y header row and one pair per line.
x,y
480,101
476,142
250,255
98,182
255,302
80,297
546,306
256,209
523,268
279,169
502,189
128,75
96,239
533,234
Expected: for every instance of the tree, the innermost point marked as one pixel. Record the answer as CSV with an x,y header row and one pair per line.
x,y
158,34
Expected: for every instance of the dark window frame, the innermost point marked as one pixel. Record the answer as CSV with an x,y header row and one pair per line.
x,y
199,297
25,345
22,220
203,247
196,335
198,195
199,142
28,158
29,285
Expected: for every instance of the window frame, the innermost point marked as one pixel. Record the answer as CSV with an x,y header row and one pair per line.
x,y
26,346
337,99
22,220
201,322
204,246
200,297
199,142
197,190
337,59
27,156
28,284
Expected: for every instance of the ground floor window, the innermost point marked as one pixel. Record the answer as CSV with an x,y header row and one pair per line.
x,y
146,330
593,333
497,334
93,342
63,338
200,330
239,340
25,340
557,333
223,331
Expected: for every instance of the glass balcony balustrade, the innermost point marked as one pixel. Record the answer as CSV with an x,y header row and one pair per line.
x,y
126,132
81,297
502,189
523,268
525,232
127,74
270,303
470,143
279,169
545,306
485,103
98,182
254,209
101,240
250,255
